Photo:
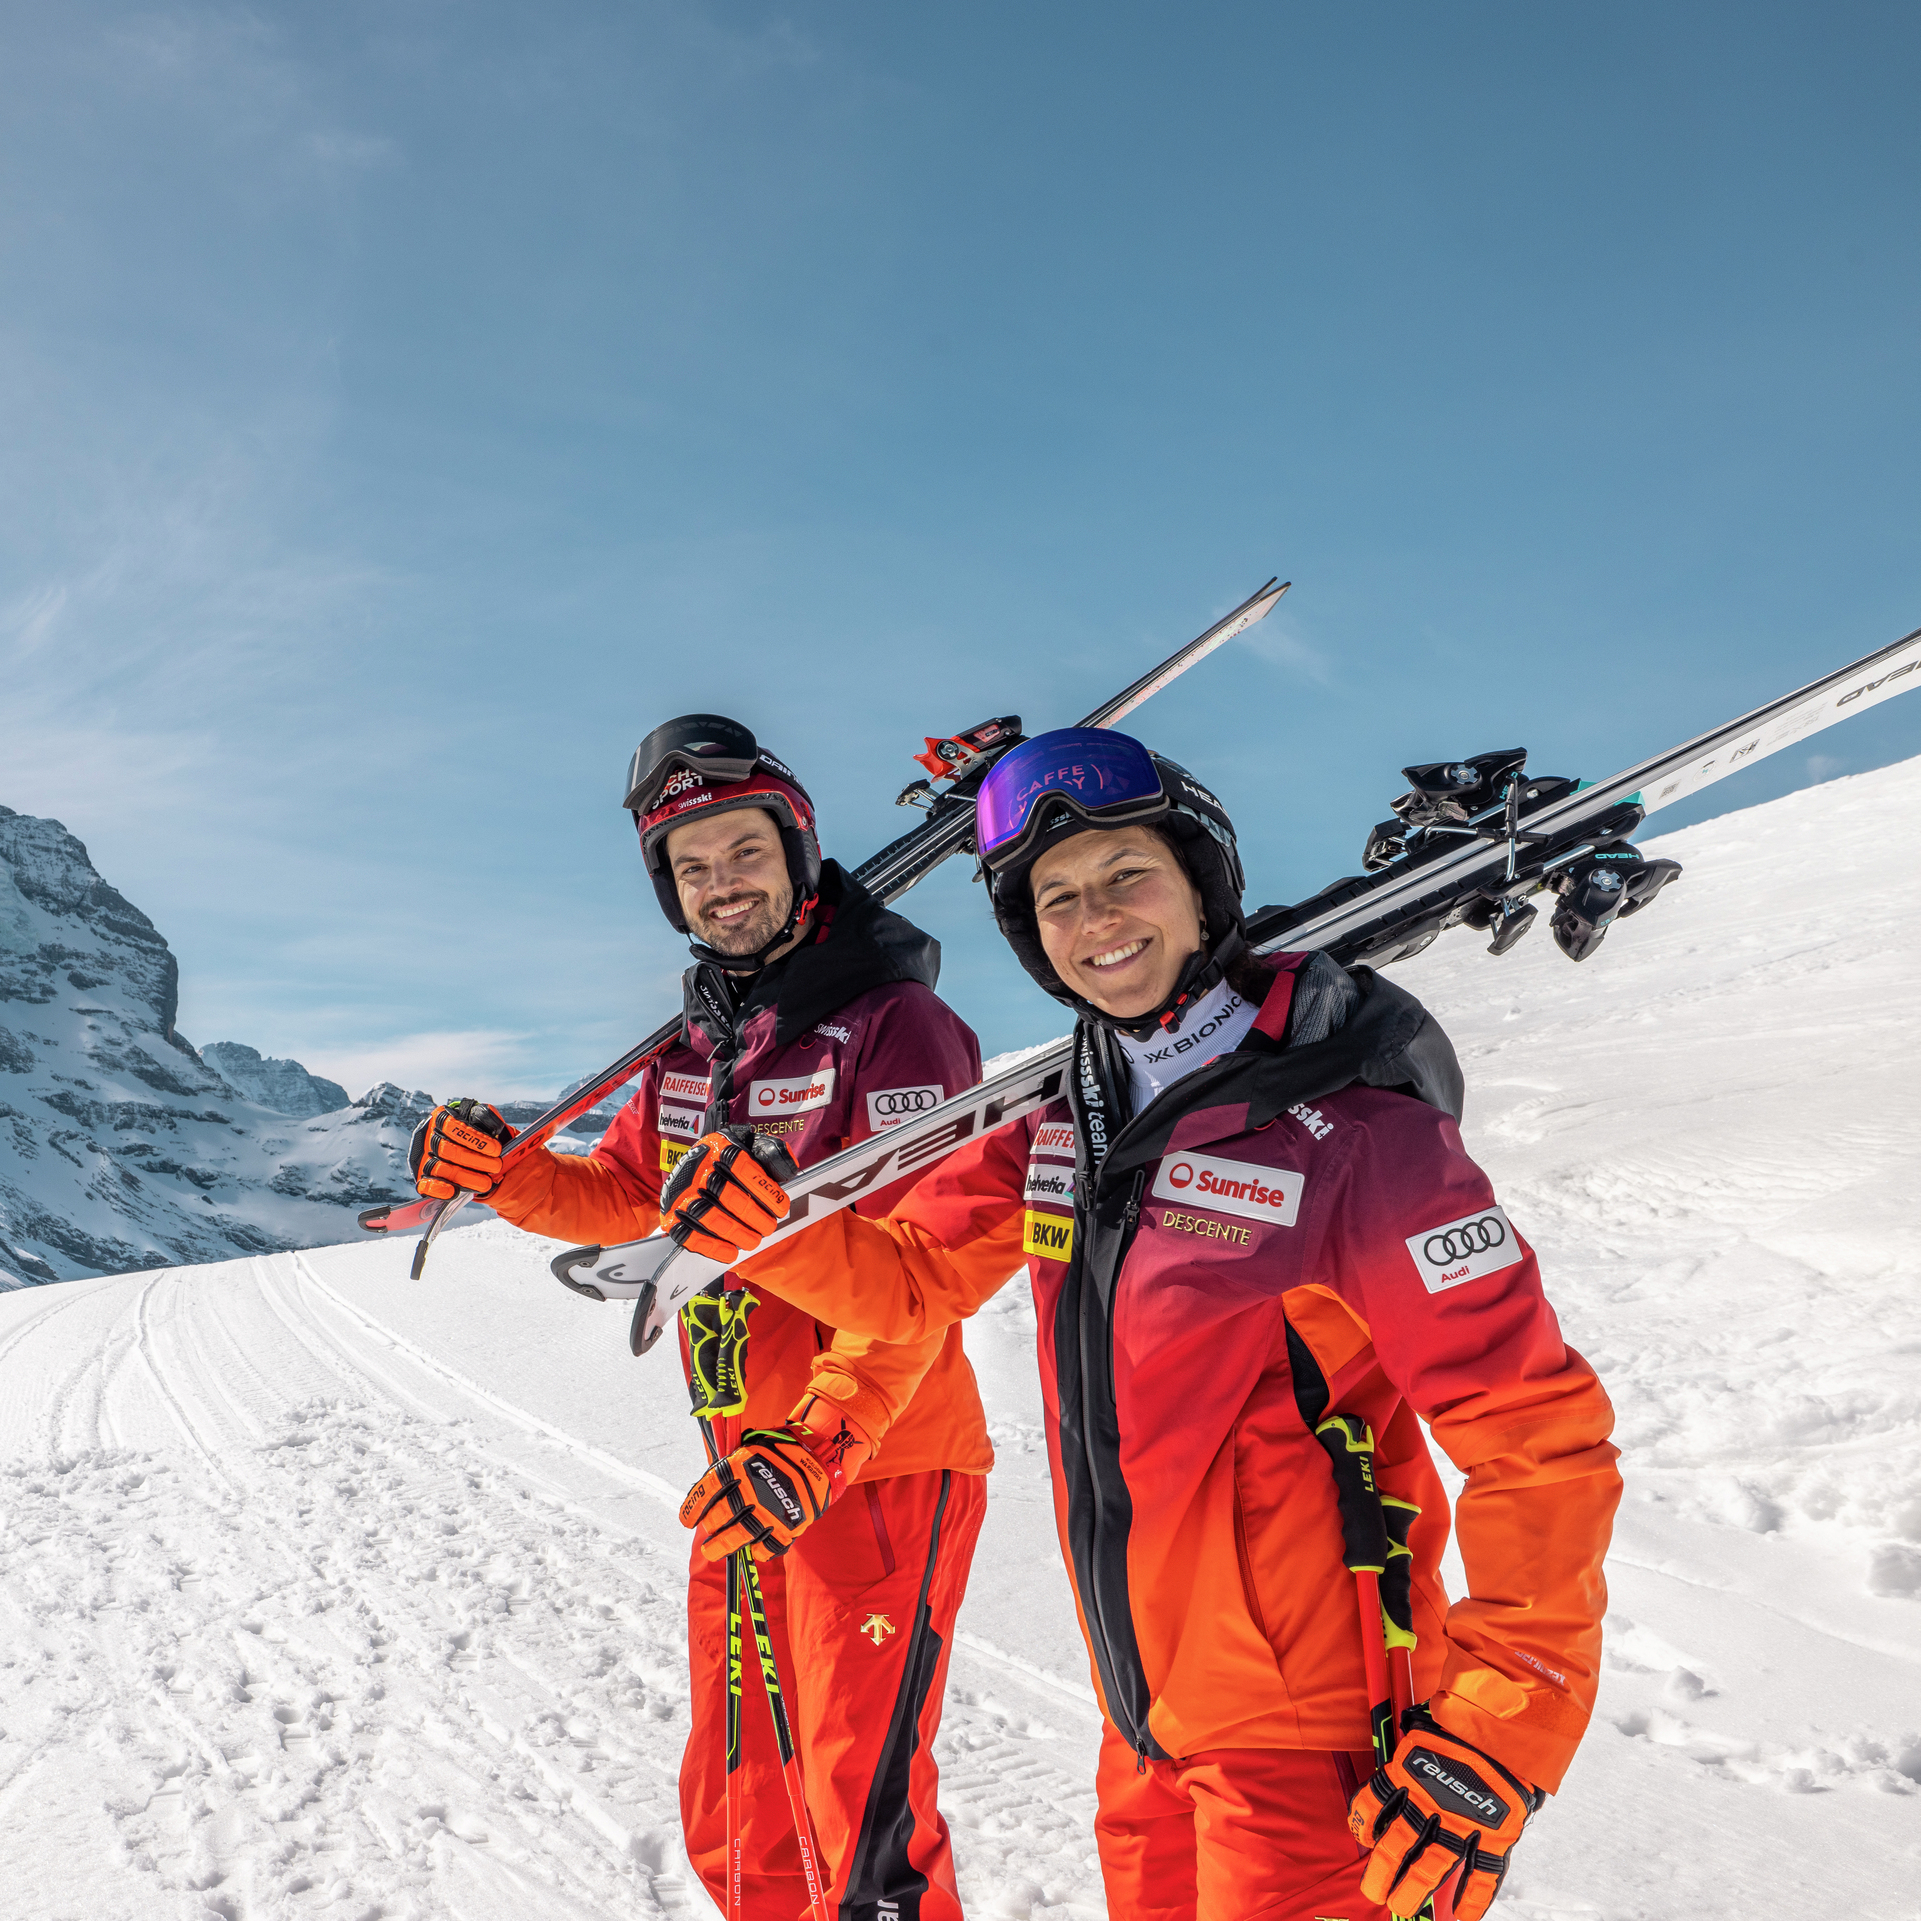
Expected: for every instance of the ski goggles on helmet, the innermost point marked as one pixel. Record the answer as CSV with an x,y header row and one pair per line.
x,y
696,750
1101,777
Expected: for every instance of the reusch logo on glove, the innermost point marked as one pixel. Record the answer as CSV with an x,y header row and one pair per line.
x,y
772,1484
1464,1250
1271,1194
790,1097
1455,1788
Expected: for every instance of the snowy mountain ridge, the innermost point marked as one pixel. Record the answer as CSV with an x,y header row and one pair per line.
x,y
120,1145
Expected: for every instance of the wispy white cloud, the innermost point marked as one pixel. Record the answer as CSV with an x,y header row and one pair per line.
x,y
1279,639
486,1062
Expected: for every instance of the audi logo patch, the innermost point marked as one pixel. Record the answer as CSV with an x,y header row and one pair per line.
x,y
1465,1250
889,1106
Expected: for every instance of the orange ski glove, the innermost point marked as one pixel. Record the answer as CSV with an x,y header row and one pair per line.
x,y
457,1149
1440,1808
726,1196
778,1482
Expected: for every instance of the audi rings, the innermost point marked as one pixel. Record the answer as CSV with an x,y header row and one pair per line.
x,y
899,1102
1464,1239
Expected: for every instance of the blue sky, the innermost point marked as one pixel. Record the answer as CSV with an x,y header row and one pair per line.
x,y
409,404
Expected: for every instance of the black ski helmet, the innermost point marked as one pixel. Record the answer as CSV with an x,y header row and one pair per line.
x,y
1064,783
707,764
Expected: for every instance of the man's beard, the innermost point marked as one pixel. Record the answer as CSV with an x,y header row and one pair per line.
x,y
747,934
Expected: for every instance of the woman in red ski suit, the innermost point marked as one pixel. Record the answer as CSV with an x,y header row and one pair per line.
x,y
833,1037
1253,1213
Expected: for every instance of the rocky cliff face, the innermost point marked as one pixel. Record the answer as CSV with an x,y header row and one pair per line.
x,y
120,1146
284,1086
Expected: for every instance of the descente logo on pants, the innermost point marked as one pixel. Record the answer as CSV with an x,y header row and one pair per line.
x,y
1048,1237
790,1097
1271,1194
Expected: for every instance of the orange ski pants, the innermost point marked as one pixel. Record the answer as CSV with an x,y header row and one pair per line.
x,y
861,1612
1231,1835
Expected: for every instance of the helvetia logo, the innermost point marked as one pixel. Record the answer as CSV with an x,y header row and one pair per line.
x,y
1047,1237
791,1097
1270,1194
1465,1250
1049,1183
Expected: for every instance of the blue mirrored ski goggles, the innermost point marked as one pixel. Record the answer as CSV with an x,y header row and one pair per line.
x,y
1105,778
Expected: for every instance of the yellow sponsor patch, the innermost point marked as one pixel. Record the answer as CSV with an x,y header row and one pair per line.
x,y
1048,1237
670,1154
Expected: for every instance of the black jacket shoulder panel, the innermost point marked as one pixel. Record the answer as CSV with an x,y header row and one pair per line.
x,y
867,945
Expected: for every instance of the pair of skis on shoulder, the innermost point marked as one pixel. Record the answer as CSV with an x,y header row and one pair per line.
x,y
1472,840
957,765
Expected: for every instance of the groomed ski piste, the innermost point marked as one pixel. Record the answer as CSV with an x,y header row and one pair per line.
x,y
324,1593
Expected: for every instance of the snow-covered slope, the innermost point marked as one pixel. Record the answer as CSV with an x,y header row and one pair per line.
x,y
326,1593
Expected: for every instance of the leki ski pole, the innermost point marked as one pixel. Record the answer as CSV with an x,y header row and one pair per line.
x,y
1364,1547
1374,1539
743,1583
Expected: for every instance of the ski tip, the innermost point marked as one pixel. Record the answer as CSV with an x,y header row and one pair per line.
x,y
374,1219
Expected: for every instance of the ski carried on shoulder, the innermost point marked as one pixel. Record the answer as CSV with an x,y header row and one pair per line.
x,y
1469,843
956,766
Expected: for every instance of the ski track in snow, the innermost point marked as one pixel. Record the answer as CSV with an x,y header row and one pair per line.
x,y
323,1593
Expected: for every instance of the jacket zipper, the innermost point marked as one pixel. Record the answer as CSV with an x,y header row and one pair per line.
x,y
1130,1223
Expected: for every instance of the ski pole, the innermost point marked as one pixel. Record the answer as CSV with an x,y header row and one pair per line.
x,y
1364,1543
1374,1531
736,1812
1397,1601
1397,1634
784,1741
744,1579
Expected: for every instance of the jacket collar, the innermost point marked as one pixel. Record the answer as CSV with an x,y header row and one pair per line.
x,y
1388,1040
853,945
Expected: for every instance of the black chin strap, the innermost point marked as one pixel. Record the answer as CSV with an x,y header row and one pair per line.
x,y
754,962
1203,972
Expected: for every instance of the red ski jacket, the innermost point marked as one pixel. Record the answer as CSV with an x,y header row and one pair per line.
x,y
1291,1231
843,1038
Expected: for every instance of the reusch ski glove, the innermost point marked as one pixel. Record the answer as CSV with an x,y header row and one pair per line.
x,y
1439,1808
778,1482
457,1148
726,1195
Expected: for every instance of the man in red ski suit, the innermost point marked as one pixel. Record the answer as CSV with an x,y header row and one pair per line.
x,y
813,1015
